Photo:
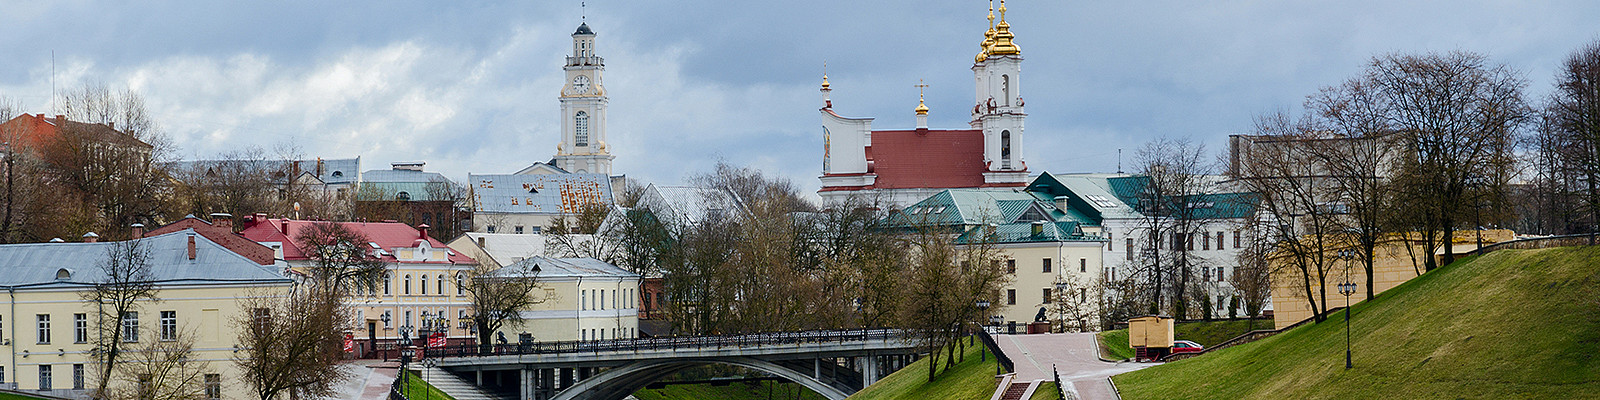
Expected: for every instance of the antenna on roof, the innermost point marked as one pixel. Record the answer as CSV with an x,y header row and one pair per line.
x,y
583,11
1119,161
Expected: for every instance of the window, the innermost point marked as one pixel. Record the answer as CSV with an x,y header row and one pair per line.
x,y
583,299
1220,276
387,319
213,386
1222,302
1011,297
1083,265
261,317
1205,274
402,196
1127,245
44,328
1046,296
1109,242
489,228
1011,266
1046,265
1219,240
1100,201
1235,239
169,325
130,326
407,322
537,229
519,229
439,285
1188,241
80,328
424,288
407,288
1005,145
44,378
1083,295
77,376
387,280
461,284
580,129
1005,90
1205,244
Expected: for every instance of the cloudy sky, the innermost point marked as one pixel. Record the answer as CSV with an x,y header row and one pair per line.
x,y
471,86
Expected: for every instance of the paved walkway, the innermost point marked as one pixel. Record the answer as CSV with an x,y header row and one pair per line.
x,y
1074,355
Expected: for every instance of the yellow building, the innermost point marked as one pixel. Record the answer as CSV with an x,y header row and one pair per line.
x,y
1393,265
580,299
200,285
1044,259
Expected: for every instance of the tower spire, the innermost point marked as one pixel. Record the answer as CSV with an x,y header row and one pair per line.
x,y
988,37
1002,36
826,103
922,106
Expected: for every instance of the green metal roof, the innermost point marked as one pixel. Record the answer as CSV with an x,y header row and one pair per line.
x,y
1022,232
965,207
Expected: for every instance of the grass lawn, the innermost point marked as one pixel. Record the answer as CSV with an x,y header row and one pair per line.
x,y
1046,391
14,396
1115,342
733,391
971,379
417,389
1510,324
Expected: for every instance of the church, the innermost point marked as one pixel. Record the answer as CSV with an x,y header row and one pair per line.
x,y
901,167
579,174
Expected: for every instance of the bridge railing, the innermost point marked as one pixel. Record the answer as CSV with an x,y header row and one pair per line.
x,y
673,343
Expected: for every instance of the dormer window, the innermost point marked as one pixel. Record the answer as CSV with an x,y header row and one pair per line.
x,y
338,174
63,274
402,196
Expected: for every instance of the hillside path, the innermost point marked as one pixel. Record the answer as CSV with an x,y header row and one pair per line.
x,y
1075,355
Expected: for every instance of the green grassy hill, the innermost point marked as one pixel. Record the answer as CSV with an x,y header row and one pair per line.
x,y
1510,324
970,379
1205,333
734,391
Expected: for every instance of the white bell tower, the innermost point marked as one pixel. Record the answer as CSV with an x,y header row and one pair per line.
x,y
583,110
997,72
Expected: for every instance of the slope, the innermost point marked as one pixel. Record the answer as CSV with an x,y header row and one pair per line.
x,y
1510,324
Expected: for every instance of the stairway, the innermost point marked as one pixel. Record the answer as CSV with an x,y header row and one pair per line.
x,y
453,385
1017,390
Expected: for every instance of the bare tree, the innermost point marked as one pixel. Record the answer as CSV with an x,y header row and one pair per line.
x,y
163,370
343,260
1252,278
116,170
1358,156
126,282
1289,186
447,201
499,296
1173,172
1572,135
291,344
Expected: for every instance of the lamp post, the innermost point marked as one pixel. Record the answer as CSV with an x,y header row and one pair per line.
x,y
983,305
406,352
1347,288
386,320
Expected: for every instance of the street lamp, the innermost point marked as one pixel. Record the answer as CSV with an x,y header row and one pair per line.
x,y
406,352
386,320
1347,289
983,305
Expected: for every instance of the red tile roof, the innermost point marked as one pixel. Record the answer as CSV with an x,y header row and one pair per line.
x,y
387,235
223,235
927,159
36,130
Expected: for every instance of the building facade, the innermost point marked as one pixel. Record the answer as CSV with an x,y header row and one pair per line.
x,y
200,285
579,299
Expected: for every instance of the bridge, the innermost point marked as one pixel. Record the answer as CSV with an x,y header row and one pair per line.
x,y
834,364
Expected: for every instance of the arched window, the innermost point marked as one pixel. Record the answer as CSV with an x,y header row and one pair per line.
x,y
424,284
439,285
1005,89
1005,145
387,277
402,196
407,288
461,284
580,129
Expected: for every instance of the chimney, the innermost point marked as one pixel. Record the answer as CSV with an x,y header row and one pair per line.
x,y
91,237
138,231
222,220
61,119
1038,228
285,226
424,229
191,246
481,245
1061,203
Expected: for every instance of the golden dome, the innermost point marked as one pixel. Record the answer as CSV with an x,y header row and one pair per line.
x,y
1003,45
988,37
824,81
922,108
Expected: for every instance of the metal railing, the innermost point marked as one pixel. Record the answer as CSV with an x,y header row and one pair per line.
x,y
674,343
988,341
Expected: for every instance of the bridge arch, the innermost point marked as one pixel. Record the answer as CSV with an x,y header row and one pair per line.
x,y
617,383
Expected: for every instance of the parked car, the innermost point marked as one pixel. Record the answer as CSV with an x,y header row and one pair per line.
x,y
1185,346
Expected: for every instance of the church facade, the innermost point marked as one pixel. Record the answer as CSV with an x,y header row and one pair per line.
x,y
901,167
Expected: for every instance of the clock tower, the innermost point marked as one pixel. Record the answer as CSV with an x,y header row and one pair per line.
x,y
583,110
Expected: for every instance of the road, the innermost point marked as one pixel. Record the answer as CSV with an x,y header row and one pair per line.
x,y
1074,355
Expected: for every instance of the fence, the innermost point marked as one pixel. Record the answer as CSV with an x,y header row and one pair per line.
x,y
994,348
672,343
1247,337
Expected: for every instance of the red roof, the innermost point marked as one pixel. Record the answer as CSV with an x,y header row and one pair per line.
x,y
388,235
36,130
928,158
222,234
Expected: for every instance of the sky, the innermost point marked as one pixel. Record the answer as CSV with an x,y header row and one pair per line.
x,y
471,87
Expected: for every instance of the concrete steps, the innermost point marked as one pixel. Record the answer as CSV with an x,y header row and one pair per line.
x,y
453,385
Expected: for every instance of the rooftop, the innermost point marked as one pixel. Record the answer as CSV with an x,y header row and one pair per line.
x,y
41,264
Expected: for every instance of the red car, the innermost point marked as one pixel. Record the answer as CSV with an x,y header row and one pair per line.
x,y
1184,346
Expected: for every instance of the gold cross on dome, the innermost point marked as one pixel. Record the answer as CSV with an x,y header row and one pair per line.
x,y
920,86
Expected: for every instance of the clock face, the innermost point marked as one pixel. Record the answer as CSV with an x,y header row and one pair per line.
x,y
580,85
